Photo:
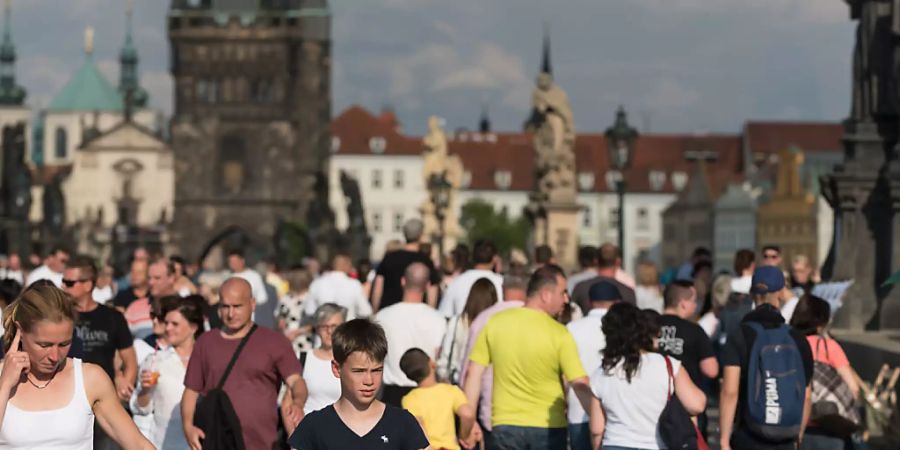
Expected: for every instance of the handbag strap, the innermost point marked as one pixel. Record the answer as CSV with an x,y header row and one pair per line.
x,y
671,378
235,357
822,341
453,343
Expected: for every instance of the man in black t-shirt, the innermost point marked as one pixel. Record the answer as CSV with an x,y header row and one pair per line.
x,y
683,339
103,332
767,290
138,289
357,420
387,289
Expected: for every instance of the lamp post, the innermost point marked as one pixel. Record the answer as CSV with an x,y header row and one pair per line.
x,y
439,188
620,139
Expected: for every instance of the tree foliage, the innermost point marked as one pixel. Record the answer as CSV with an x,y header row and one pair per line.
x,y
480,220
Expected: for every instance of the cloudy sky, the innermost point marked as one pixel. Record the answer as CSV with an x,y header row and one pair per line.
x,y
677,65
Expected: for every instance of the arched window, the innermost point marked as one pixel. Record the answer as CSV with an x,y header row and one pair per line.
x,y
233,164
61,143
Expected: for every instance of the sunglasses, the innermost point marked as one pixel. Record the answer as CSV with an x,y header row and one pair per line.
x,y
771,256
70,283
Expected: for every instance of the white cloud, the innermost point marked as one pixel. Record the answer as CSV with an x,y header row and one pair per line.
x,y
668,94
813,11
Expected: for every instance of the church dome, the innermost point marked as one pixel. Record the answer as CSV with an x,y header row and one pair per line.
x,y
87,90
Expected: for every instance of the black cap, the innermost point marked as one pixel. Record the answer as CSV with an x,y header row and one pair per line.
x,y
604,291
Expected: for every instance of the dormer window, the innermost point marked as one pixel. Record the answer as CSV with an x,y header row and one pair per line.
x,y
613,177
657,180
466,179
503,179
586,181
679,180
335,144
377,144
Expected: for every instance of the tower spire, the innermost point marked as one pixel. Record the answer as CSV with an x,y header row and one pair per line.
x,y
129,85
545,58
10,93
484,124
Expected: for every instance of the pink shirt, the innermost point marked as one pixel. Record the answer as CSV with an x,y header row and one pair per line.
x,y
828,351
487,380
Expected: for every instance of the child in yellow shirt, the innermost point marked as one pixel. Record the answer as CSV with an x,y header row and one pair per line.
x,y
434,404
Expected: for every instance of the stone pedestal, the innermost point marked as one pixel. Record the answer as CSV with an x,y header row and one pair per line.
x,y
562,233
890,305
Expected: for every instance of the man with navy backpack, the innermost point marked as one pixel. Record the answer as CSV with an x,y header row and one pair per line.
x,y
765,396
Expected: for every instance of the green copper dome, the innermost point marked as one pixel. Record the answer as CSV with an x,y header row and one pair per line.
x,y
88,90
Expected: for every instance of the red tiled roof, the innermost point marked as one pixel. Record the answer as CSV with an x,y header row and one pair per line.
x,y
485,154
772,137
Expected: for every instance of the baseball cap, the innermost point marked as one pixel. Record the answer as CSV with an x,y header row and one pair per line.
x,y
604,291
767,279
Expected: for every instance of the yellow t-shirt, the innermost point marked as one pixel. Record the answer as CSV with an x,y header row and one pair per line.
x,y
529,351
436,406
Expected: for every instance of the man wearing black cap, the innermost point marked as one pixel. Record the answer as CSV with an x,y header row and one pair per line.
x,y
590,341
767,290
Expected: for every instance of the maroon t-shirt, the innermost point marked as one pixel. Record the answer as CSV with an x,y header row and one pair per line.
x,y
253,384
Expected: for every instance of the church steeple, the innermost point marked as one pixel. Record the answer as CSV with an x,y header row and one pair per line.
x,y
545,58
484,124
10,92
132,93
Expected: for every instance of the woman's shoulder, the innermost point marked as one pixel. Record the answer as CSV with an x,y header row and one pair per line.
x,y
91,372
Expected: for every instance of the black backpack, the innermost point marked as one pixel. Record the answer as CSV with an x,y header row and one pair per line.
x,y
215,414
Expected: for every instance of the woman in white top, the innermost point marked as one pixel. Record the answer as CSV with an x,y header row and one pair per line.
x,y
647,292
48,400
482,296
162,373
322,386
631,386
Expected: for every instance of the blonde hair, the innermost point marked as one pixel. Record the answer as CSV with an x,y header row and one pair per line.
x,y
37,303
647,275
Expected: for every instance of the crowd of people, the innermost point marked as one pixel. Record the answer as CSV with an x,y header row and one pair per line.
x,y
465,351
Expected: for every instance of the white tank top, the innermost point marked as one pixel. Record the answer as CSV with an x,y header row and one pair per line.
x,y
323,387
70,427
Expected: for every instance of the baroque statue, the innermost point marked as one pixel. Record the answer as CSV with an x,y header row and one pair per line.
x,y
553,128
356,236
437,162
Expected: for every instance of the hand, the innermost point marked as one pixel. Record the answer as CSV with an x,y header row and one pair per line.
x,y
147,381
16,364
123,388
194,437
291,414
475,436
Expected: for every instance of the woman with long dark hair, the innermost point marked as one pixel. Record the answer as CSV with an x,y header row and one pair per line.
x,y
48,400
631,386
482,296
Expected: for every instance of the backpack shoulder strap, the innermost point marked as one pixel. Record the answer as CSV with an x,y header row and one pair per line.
x,y
303,355
234,357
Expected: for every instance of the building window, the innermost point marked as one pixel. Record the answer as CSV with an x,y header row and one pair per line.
x,y
587,217
586,181
376,222
263,91
398,222
233,162
376,179
503,179
398,179
61,143
657,179
207,91
643,219
679,179
614,218
377,144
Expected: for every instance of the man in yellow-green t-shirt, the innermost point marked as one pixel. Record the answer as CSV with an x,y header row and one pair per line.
x,y
530,351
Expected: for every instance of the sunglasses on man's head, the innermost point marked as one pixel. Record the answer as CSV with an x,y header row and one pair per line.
x,y
70,283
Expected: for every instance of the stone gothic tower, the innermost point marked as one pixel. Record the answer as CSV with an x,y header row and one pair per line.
x,y
250,129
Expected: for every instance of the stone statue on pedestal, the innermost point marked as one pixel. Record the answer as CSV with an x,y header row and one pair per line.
x,y
356,236
436,161
16,190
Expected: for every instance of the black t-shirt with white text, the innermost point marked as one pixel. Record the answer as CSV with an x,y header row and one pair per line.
x,y
102,331
125,297
392,268
324,430
685,341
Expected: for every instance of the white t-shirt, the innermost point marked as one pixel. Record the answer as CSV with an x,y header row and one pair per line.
x,y
454,301
7,274
337,287
741,285
787,310
590,341
406,326
43,272
257,286
633,409
324,388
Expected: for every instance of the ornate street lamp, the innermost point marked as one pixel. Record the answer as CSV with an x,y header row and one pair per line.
x,y
620,139
439,188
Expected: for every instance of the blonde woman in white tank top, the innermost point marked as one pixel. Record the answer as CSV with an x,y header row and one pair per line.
x,y
49,401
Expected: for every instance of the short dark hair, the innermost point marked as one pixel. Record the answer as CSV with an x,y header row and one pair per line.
x,y
543,277
236,252
85,265
677,291
587,256
607,256
57,249
772,247
484,252
543,254
359,335
701,253
191,307
811,313
415,364
743,259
